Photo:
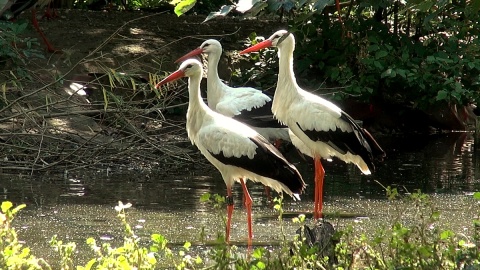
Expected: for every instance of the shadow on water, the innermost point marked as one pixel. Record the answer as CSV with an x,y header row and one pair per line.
x,y
80,204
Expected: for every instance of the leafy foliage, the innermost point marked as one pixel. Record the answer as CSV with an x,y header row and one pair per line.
x,y
416,242
13,255
416,53
421,54
16,50
413,53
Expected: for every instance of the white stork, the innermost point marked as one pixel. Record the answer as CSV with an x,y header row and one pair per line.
x,y
319,128
235,149
245,104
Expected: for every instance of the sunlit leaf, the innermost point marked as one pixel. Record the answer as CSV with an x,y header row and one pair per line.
x,y
476,195
183,6
446,234
257,253
90,264
261,265
205,197
221,13
259,6
245,5
151,258
6,206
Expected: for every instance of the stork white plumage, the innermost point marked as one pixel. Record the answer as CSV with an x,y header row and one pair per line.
x,y
245,104
235,149
319,128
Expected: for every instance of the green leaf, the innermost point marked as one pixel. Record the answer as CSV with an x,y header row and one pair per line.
x,y
424,6
90,264
476,195
442,95
261,265
402,73
183,6
18,208
373,39
205,197
257,253
389,73
373,48
431,58
378,64
6,206
321,4
446,235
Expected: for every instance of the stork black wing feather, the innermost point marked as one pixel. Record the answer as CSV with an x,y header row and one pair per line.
x,y
260,117
267,162
357,142
21,5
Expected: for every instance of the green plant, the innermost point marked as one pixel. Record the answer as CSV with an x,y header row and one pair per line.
x,y
130,255
14,255
16,50
65,251
412,240
418,242
264,65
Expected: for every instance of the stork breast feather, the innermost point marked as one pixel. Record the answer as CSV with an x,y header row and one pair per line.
x,y
218,139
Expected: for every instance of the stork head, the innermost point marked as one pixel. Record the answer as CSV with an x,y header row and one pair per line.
x,y
209,46
278,39
189,68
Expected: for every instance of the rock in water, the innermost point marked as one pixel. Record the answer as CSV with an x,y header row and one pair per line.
x,y
320,236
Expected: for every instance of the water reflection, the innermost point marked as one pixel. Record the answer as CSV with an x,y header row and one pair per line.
x,y
79,205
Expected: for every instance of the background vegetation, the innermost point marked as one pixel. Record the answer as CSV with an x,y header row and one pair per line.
x,y
412,54
406,55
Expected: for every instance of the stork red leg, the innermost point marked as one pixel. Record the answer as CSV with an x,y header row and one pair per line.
x,y
229,213
248,205
42,35
319,176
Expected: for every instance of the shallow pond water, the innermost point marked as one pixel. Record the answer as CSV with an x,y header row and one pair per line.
x,y
78,205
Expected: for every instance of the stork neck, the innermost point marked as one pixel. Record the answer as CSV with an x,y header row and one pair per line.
x,y
285,74
287,88
213,60
196,107
214,85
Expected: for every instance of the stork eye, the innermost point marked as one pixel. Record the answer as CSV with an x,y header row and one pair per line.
x,y
189,66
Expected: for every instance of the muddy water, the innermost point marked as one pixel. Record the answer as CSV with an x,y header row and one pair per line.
x,y
79,205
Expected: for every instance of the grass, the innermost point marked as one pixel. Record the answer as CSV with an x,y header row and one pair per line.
x,y
416,243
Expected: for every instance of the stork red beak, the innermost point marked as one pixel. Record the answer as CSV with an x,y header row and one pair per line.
x,y
257,47
197,51
170,78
